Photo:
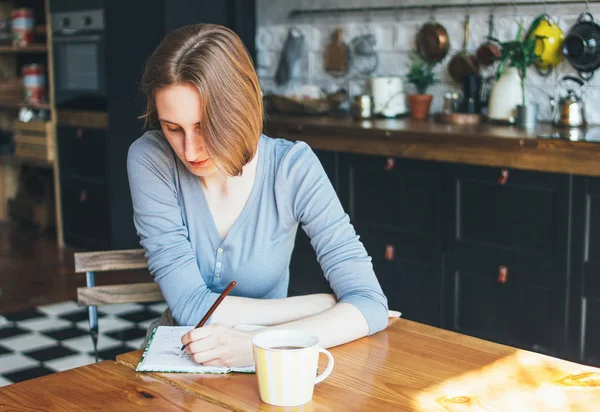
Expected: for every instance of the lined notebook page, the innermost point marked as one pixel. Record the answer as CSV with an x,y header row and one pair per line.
x,y
164,354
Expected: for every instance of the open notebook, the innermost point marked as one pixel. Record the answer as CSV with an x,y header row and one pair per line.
x,y
163,353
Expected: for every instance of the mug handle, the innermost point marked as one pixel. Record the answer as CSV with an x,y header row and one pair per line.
x,y
329,368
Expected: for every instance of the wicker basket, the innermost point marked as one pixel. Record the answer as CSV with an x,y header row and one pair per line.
x,y
11,90
288,105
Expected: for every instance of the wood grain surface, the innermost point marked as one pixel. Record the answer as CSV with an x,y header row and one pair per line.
x,y
129,293
104,386
483,144
110,260
415,367
83,118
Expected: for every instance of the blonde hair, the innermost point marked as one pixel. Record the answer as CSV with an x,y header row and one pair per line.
x,y
213,59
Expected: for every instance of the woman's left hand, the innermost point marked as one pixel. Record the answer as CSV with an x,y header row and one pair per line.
x,y
219,345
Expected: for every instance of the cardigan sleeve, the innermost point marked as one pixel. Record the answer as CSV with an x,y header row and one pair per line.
x,y
163,234
342,256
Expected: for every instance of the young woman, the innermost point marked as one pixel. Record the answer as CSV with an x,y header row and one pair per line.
x,y
215,201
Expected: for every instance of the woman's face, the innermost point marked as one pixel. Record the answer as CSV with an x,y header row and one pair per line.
x,y
179,113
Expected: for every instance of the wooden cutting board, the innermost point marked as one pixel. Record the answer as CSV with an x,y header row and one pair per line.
x,y
336,55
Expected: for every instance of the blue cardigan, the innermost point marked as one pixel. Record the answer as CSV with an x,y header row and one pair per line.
x,y
192,264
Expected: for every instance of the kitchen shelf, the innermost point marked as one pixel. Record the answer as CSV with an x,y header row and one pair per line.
x,y
18,105
33,48
16,160
295,13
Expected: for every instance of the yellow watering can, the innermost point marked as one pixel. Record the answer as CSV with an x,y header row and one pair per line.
x,y
548,47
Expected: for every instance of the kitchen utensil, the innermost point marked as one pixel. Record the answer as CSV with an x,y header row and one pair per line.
x,y
291,53
463,63
484,93
581,46
361,107
389,98
336,55
569,111
363,56
488,52
471,91
459,118
526,116
433,42
549,43
448,107
505,95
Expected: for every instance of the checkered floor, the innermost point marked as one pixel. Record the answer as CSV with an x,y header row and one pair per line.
x,y
40,341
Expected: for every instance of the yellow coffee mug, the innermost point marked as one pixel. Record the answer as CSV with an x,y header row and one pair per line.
x,y
286,366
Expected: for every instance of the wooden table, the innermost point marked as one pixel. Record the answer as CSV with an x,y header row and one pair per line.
x,y
104,386
414,367
408,367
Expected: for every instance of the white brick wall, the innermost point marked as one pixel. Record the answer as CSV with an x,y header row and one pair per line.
x,y
395,39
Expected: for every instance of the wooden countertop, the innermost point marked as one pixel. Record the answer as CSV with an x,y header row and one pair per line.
x,y
415,367
487,145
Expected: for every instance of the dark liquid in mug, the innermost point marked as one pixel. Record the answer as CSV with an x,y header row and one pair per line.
x,y
287,347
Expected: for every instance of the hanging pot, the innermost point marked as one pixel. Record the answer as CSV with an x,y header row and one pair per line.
x,y
433,42
463,63
548,44
581,46
488,52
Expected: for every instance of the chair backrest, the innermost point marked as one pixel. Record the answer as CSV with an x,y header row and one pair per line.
x,y
91,262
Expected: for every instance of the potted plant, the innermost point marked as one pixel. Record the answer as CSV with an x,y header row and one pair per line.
x,y
421,75
520,54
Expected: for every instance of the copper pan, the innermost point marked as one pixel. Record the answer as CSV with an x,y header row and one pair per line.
x,y
433,42
463,63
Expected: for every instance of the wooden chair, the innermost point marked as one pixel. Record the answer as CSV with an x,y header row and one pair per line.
x,y
93,296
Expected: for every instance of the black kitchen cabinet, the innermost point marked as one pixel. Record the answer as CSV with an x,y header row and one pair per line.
x,y
412,286
396,208
86,205
517,306
82,153
306,275
584,335
507,256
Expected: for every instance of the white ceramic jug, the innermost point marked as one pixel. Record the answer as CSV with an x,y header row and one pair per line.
x,y
505,96
389,99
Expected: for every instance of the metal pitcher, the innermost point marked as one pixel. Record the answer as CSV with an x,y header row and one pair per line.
x,y
569,111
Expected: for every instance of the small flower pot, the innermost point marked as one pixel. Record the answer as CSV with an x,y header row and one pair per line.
x,y
419,105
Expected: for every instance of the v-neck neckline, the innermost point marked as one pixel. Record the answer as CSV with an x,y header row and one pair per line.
x,y
256,186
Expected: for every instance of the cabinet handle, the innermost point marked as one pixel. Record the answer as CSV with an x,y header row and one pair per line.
x,y
502,274
82,196
79,134
503,177
389,164
389,252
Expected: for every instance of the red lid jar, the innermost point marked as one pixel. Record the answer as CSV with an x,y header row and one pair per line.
x,y
34,82
22,26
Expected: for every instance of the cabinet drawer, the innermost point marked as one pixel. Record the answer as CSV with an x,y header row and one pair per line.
x,y
392,192
590,345
511,209
82,153
85,214
409,274
503,304
410,246
591,232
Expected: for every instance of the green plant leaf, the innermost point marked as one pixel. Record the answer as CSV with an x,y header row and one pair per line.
x,y
421,73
